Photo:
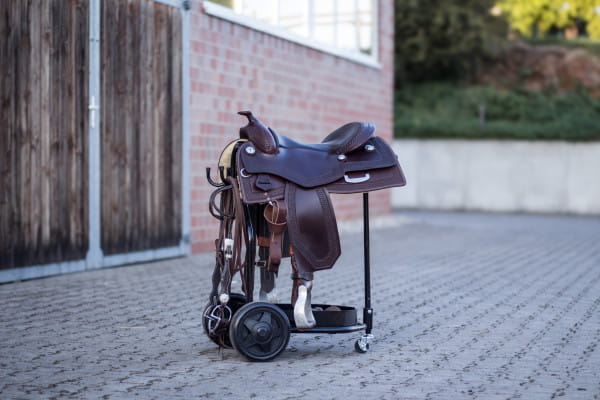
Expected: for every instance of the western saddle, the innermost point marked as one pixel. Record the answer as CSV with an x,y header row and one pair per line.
x,y
292,182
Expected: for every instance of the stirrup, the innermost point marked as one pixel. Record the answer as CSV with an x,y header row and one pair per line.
x,y
303,315
268,297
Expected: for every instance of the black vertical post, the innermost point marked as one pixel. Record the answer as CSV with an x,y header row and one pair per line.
x,y
368,311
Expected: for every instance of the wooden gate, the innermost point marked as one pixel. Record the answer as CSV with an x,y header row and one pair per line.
x,y
43,132
83,189
141,125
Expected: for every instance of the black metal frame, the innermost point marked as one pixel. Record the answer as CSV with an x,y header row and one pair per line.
x,y
252,213
367,311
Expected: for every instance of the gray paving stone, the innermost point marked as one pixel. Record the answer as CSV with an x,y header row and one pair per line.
x,y
467,306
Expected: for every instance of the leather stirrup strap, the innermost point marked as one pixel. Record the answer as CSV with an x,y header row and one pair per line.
x,y
239,226
276,215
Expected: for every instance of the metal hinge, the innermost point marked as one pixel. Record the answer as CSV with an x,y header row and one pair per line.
x,y
93,107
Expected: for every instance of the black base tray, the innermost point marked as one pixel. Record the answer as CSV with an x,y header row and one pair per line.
x,y
341,320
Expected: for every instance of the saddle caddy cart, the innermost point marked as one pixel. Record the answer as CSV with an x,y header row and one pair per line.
x,y
272,201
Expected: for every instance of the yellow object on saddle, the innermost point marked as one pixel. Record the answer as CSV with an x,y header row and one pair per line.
x,y
225,158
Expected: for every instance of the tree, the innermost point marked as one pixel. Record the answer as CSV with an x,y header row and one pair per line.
x,y
444,39
535,17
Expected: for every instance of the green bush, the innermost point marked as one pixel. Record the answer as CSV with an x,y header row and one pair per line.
x,y
591,45
444,110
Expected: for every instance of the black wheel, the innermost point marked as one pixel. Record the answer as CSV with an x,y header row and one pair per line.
x,y
220,335
361,346
259,331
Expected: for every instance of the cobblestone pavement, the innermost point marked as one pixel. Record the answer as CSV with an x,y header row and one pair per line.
x,y
467,306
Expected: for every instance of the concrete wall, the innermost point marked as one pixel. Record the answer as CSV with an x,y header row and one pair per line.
x,y
512,176
299,91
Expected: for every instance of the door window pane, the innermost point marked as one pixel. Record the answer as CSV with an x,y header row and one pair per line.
x,y
345,24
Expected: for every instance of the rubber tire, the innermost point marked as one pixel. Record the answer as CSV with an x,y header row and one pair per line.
x,y
236,301
259,331
359,349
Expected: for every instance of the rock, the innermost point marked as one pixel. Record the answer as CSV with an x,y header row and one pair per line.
x,y
545,67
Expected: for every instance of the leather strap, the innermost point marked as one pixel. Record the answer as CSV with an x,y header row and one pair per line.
x,y
263,241
239,232
276,215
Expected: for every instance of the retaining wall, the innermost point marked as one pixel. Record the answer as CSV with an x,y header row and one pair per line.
x,y
507,176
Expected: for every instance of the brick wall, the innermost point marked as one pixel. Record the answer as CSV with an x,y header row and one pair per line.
x,y
300,92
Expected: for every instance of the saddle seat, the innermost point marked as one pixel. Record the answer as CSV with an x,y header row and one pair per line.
x,y
343,140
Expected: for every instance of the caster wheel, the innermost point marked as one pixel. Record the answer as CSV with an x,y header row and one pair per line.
x,y
361,347
259,331
221,336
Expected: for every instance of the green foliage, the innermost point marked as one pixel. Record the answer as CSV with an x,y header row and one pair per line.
x,y
534,17
444,39
591,45
443,110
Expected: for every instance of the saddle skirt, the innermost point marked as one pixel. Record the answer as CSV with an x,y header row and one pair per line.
x,y
369,165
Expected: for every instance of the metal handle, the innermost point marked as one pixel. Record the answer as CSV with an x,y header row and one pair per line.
x,y
93,107
360,179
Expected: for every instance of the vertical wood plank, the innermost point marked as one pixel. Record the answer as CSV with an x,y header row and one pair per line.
x,y
5,121
7,140
108,109
24,132
36,111
71,145
118,137
146,121
158,98
176,186
46,97
56,117
81,184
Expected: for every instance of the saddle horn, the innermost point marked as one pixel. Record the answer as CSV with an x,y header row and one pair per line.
x,y
258,134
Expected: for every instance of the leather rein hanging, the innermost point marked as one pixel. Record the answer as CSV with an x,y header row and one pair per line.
x,y
232,235
229,260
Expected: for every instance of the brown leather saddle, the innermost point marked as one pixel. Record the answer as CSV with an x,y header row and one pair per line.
x,y
295,179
